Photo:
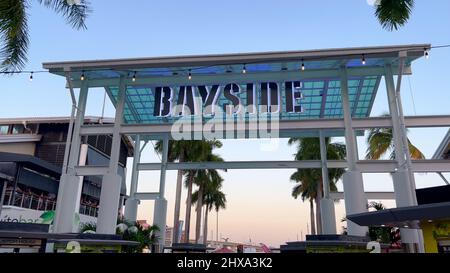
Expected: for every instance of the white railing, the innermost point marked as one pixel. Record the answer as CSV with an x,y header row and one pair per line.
x,y
31,201
89,210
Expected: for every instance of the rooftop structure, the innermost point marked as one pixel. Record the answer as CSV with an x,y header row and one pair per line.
x,y
261,95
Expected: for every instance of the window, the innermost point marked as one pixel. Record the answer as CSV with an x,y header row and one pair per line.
x,y
4,129
18,129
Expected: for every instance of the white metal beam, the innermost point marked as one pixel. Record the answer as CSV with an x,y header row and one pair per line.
x,y
369,195
146,195
203,79
366,166
285,126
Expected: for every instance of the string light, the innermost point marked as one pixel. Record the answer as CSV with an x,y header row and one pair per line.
x,y
134,77
83,76
190,75
244,69
31,76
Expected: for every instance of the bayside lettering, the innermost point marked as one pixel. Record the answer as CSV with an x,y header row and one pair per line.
x,y
264,97
193,263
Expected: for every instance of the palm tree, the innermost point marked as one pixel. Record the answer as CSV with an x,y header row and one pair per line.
x,y
306,190
202,152
183,151
381,141
393,14
310,180
212,197
14,31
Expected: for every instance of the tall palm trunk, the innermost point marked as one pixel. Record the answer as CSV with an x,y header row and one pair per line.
x,y
199,214
313,220
205,226
188,209
176,215
318,209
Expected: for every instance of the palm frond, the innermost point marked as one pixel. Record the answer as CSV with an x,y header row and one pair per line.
x,y
414,152
14,34
393,14
75,15
379,141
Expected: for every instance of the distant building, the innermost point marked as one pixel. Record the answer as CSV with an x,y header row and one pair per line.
x,y
31,158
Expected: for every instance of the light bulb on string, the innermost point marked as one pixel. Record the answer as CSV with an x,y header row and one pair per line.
x,y
190,75
134,77
426,53
82,77
303,65
244,69
363,60
31,76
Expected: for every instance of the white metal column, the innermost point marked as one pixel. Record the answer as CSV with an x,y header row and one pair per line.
x,y
326,203
402,178
355,199
160,210
69,185
132,202
112,182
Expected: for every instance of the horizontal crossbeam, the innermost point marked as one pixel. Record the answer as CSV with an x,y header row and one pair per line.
x,y
203,79
285,127
365,166
146,195
369,195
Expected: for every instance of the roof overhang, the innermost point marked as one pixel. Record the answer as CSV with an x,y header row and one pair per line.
x,y
320,80
404,216
414,50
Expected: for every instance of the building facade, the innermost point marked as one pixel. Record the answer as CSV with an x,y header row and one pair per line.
x,y
31,156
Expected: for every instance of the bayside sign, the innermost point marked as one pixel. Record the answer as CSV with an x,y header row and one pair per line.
x,y
260,98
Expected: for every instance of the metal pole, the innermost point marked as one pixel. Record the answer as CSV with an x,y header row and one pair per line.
x,y
71,122
354,196
132,203
162,181
323,158
112,182
350,144
328,216
68,199
443,178
135,170
405,142
401,178
160,211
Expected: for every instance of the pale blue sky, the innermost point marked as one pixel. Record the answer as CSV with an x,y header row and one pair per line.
x,y
259,204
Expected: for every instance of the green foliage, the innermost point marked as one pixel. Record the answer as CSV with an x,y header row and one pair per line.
x,y
14,31
146,237
308,180
393,14
381,141
379,234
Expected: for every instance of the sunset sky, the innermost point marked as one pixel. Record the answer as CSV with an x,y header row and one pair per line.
x,y
260,206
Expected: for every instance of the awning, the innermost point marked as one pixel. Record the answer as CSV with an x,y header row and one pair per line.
x,y
402,217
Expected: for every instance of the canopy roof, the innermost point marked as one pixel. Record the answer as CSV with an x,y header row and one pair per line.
x,y
404,216
320,79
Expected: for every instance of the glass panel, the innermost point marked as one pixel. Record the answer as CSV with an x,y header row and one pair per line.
x,y
4,129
